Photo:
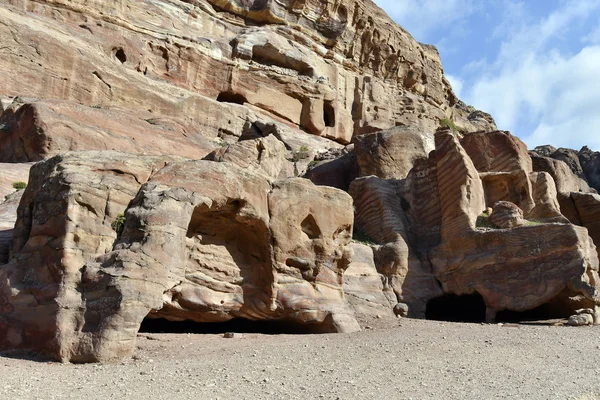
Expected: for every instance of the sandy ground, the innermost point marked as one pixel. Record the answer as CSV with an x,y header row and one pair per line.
x,y
411,360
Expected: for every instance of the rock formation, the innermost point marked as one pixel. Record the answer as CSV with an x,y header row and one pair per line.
x,y
193,163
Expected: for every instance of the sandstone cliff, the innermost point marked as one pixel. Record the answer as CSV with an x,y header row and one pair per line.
x,y
177,141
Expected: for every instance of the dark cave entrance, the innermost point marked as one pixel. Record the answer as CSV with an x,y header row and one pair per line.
x,y
329,114
231,97
236,325
120,55
558,308
453,308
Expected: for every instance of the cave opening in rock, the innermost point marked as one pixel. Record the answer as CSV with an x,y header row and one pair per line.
x,y
329,114
453,308
236,325
231,97
121,56
543,313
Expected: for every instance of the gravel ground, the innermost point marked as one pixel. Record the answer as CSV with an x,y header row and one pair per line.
x,y
411,360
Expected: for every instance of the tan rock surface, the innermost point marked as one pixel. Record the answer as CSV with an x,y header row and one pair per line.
x,y
305,64
365,288
43,129
203,241
566,181
588,211
517,269
379,214
391,154
507,215
64,220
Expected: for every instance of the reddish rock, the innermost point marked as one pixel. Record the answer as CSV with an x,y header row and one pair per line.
x,y
391,154
43,129
497,152
506,215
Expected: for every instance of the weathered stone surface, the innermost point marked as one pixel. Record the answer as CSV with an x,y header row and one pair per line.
x,y
391,154
588,212
331,69
507,215
460,187
337,172
64,220
566,181
39,130
517,269
265,156
545,195
364,287
590,164
581,320
571,158
379,214
514,186
497,152
203,241
8,217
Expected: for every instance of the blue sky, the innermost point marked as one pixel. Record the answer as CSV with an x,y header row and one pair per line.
x,y
534,64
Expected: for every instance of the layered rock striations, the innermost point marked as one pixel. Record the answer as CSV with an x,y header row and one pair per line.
x,y
211,160
331,69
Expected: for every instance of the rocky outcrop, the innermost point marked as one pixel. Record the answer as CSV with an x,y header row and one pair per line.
x,y
379,215
217,107
391,154
38,130
265,156
436,224
8,217
517,269
587,206
506,215
203,241
584,164
364,287
590,164
331,69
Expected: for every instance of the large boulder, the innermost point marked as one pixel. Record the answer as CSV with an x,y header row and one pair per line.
x,y
380,216
366,290
566,180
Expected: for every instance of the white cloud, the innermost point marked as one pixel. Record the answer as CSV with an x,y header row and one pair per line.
x,y
538,92
420,17
558,96
534,74
594,36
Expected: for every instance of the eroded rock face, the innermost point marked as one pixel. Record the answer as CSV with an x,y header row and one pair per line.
x,y
505,257
590,163
203,241
507,215
428,226
391,154
64,220
331,69
38,130
565,179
